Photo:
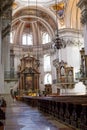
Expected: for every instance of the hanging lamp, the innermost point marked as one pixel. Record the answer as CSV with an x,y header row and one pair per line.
x,y
58,42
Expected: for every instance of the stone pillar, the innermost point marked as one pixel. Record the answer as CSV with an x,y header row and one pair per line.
x,y
82,4
41,78
6,53
12,61
1,61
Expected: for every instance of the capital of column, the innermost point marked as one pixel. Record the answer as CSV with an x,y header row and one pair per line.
x,y
82,4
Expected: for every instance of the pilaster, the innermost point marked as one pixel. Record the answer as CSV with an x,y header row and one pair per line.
x,y
6,47
1,63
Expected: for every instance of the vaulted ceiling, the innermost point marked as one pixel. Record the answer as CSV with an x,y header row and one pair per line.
x,y
25,13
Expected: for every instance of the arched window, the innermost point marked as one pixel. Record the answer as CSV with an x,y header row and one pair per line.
x,y
48,79
45,38
47,64
11,37
27,39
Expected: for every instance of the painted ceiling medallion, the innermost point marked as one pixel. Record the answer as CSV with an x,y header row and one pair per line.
x,y
59,6
60,11
14,6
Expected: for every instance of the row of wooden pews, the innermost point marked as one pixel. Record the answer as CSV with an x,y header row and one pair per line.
x,y
2,112
71,110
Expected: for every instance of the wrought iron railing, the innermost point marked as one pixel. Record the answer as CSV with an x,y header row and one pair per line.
x,y
10,75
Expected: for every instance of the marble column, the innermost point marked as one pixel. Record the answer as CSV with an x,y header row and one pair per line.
x,y
6,53
41,77
1,61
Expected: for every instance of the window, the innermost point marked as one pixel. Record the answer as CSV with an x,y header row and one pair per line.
x,y
47,64
45,38
48,79
11,37
27,39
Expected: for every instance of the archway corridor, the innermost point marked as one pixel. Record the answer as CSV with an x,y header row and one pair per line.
x,y
20,116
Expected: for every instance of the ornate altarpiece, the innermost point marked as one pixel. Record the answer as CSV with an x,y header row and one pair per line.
x,y
28,72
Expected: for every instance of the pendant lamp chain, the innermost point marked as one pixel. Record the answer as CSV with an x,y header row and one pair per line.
x,y
37,55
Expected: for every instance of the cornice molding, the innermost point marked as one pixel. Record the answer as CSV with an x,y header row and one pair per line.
x,y
49,46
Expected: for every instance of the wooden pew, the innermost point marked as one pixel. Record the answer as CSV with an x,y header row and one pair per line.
x,y
2,113
68,109
1,126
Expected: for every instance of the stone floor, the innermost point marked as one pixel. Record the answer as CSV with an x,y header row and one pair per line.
x,y
20,116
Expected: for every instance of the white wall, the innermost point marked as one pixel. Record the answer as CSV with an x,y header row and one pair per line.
x,y
8,86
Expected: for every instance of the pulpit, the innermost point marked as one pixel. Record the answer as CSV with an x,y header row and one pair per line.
x,y
65,75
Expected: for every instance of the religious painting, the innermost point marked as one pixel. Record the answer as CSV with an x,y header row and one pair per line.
x,y
29,83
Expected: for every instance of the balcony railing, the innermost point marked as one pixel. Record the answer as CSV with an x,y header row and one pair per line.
x,y
10,75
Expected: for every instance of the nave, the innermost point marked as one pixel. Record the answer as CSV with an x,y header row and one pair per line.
x,y
20,116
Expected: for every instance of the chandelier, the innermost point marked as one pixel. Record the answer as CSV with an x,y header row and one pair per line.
x,y
58,42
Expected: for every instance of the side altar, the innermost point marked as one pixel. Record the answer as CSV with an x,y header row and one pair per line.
x,y
28,72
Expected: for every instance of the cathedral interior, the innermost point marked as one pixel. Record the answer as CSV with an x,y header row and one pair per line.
x,y
43,60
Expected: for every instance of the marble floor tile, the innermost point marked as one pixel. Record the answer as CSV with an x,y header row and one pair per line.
x,y
20,116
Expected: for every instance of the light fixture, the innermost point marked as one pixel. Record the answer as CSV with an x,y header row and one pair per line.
x,y
58,42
